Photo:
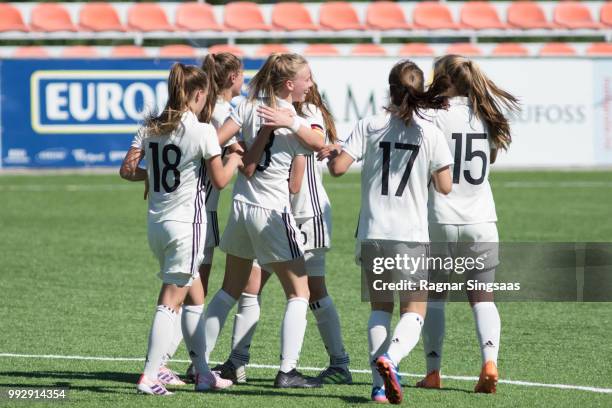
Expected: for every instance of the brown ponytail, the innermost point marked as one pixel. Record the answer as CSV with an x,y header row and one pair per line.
x,y
218,68
272,76
314,97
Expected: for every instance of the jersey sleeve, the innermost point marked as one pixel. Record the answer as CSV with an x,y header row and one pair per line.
x,y
440,152
238,114
354,146
138,141
298,149
315,119
209,142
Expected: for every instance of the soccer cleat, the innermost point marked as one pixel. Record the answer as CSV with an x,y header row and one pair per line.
x,y
487,383
392,379
190,374
151,387
229,371
168,377
211,382
335,375
295,379
431,380
378,395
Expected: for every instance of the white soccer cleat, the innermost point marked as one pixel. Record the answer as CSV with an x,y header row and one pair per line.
x,y
151,387
168,377
211,381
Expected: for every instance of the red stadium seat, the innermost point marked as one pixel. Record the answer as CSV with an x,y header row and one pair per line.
x,y
605,14
232,49
510,50
481,15
51,17
574,15
31,52
432,15
316,50
416,49
148,17
80,51
291,17
557,49
386,15
268,49
128,51
177,51
369,50
99,17
196,17
527,15
603,49
244,16
465,49
339,15
10,19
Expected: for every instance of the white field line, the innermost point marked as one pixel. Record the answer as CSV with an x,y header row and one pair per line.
x,y
357,371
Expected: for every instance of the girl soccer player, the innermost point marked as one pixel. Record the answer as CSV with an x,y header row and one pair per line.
x,y
400,154
179,151
475,128
260,224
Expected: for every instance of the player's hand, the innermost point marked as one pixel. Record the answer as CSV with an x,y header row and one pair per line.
x,y
146,191
276,117
235,159
329,152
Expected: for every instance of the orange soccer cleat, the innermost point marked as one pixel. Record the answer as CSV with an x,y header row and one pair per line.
x,y
431,380
487,383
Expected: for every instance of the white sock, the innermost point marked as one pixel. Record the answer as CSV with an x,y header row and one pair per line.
x,y
328,323
159,339
379,326
292,332
195,336
405,336
214,318
177,338
488,328
245,323
433,334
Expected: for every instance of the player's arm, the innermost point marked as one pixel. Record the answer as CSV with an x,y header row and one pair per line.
x,y
129,168
253,155
309,138
329,151
442,180
298,167
493,156
221,174
227,131
340,164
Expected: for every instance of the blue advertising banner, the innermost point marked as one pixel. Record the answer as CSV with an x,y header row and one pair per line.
x,y
76,113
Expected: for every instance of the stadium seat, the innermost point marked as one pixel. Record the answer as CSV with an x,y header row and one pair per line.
x,y
244,16
99,17
527,15
386,15
50,17
232,49
315,50
292,17
368,50
80,51
128,51
510,50
268,49
31,52
196,17
480,15
605,14
177,51
10,19
148,17
432,15
557,49
604,49
339,15
465,49
416,49
574,15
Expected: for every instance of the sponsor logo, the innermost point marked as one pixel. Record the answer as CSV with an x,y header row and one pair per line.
x,y
116,155
17,156
83,156
52,155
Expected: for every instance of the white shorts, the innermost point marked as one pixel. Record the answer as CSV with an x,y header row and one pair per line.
x,y
314,261
212,237
178,247
255,232
315,232
473,240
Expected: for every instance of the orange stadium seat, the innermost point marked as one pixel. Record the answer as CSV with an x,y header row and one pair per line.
x,y
196,17
148,17
80,51
557,49
232,49
416,49
244,16
268,49
99,17
291,17
600,49
605,14
177,51
574,15
465,49
432,15
510,50
368,50
339,15
128,51
10,19
51,17
31,52
527,15
314,50
386,15
481,15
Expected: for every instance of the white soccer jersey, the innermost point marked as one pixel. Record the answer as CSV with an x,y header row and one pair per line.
x,y
176,169
312,199
471,200
268,187
398,161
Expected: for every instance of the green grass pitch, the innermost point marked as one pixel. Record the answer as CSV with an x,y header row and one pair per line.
x,y
77,279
